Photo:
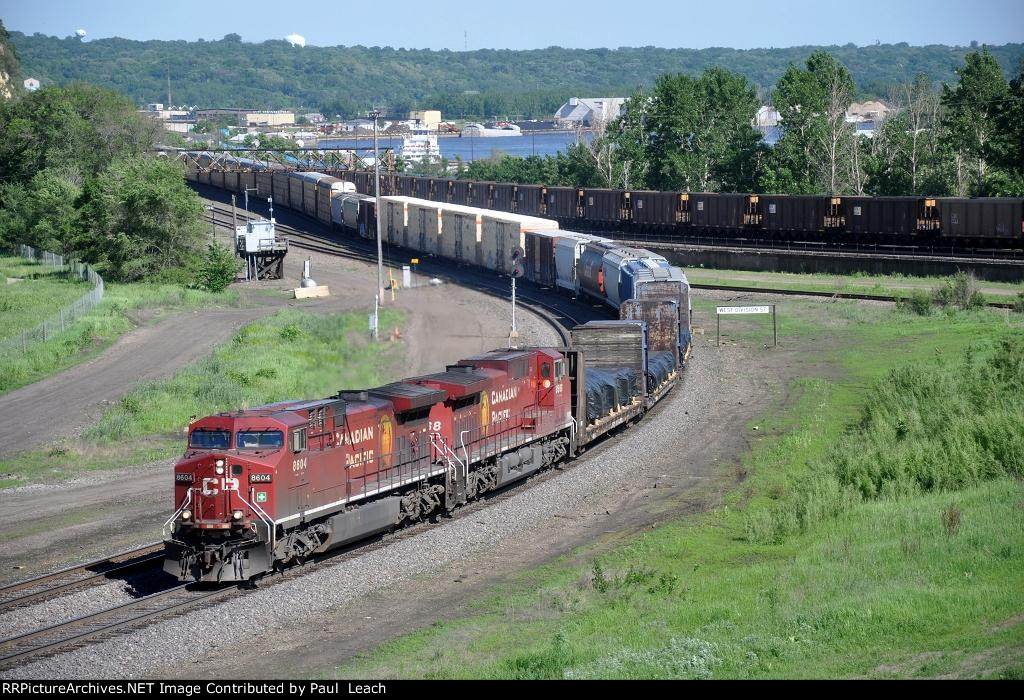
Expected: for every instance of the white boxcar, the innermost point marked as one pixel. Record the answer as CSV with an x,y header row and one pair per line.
x,y
568,249
396,218
424,229
460,233
350,209
503,232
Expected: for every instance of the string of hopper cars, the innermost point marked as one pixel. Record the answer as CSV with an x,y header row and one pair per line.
x,y
991,222
260,488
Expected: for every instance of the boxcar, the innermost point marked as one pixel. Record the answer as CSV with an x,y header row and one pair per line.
x,y
540,257
502,233
425,226
460,233
994,217
395,218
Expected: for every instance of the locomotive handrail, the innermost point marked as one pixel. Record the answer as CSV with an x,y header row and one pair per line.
x,y
268,521
188,499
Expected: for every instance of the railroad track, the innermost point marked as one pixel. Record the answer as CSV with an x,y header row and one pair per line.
x,y
326,245
41,588
178,599
365,251
78,631
829,295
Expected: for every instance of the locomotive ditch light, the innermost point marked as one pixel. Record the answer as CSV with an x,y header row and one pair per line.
x,y
186,514
237,515
547,384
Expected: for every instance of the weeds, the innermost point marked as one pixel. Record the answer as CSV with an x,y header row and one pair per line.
x,y
928,428
951,519
958,292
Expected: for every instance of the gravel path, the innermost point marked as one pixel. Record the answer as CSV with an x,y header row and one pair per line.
x,y
622,464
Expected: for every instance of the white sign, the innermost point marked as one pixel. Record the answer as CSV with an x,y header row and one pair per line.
x,y
744,309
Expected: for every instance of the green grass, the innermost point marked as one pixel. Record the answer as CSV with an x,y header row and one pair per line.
x,y
878,583
884,285
99,328
290,355
39,294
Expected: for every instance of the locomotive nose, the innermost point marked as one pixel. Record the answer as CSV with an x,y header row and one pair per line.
x,y
217,493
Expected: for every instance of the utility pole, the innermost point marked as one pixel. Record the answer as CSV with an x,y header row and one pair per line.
x,y
375,113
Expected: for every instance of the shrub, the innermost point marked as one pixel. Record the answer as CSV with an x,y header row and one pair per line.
x,y
919,302
1018,303
219,268
961,292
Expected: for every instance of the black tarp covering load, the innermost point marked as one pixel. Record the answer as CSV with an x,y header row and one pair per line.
x,y
606,389
659,366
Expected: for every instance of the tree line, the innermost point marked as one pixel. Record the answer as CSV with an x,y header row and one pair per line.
x,y
962,138
486,83
76,179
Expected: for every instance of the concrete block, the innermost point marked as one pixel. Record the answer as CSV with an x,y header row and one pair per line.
x,y
312,292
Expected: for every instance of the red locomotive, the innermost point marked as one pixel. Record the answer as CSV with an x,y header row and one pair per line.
x,y
260,488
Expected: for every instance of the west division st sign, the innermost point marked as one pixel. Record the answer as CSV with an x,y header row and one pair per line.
x,y
744,309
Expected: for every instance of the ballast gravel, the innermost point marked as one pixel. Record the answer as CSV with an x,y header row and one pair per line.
x,y
254,615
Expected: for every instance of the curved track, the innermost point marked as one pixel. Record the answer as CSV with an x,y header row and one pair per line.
x,y
559,310
556,310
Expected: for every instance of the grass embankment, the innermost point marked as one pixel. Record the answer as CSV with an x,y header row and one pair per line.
x,y
878,531
883,285
96,330
31,292
289,355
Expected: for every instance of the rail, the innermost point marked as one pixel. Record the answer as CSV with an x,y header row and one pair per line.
x,y
55,324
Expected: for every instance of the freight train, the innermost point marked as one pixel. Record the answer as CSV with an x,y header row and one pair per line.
x,y
925,221
261,488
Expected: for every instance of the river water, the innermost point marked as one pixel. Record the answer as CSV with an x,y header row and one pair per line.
x,y
475,147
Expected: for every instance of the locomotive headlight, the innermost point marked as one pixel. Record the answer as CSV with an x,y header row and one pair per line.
x,y
237,515
220,468
186,514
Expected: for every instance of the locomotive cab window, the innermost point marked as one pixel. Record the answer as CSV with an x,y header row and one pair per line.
x,y
545,370
210,439
559,369
259,440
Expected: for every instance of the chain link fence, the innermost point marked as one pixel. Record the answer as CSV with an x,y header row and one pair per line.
x,y
55,324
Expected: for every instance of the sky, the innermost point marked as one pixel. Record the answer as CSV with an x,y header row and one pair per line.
x,y
533,24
